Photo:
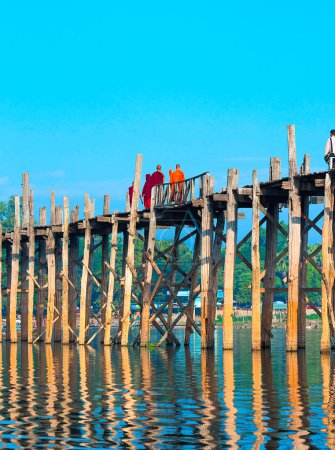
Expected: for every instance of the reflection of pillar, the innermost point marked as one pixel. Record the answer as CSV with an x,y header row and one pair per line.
x,y
298,432
108,399
271,400
84,395
128,399
228,398
208,384
328,402
13,397
51,397
257,403
66,394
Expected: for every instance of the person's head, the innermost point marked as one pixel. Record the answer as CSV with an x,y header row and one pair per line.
x,y
332,132
177,166
159,168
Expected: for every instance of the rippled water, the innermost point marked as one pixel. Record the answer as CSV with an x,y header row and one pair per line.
x,y
96,397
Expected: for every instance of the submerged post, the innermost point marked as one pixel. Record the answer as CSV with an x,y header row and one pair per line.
x,y
231,231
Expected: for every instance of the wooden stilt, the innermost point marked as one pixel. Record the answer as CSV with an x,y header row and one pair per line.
x,y
25,200
124,256
51,264
15,271
111,282
294,248
303,269
104,275
73,277
1,251
231,232
256,269
145,315
327,277
65,275
24,290
9,281
31,267
270,255
42,275
84,277
58,262
194,283
208,299
130,254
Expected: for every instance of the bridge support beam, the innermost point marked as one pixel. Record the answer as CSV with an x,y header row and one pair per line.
x,y
256,268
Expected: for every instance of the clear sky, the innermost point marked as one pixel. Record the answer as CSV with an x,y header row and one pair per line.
x,y
85,85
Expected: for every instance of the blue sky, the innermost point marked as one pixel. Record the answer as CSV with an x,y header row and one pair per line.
x,y
85,85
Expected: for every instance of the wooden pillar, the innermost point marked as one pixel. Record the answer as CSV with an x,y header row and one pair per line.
x,y
229,265
270,254
104,274
24,290
327,277
124,256
84,276
303,269
14,271
294,205
1,249
52,209
145,315
111,282
65,275
131,251
73,277
194,283
256,269
51,264
31,268
208,299
9,278
58,262
25,200
89,278
42,274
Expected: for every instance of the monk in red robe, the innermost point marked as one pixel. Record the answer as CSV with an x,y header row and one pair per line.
x,y
131,192
146,191
177,177
158,176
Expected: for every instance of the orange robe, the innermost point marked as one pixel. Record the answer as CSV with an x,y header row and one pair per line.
x,y
176,177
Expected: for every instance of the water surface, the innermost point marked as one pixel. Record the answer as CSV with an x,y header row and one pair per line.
x,y
111,397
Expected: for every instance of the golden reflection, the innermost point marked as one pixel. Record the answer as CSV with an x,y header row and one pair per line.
x,y
257,403
14,388
51,397
294,390
27,369
228,398
129,403
208,389
66,400
109,383
328,382
84,391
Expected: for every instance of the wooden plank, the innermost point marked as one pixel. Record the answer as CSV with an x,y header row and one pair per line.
x,y
65,275
130,253
256,269
327,279
231,232
270,260
31,268
145,315
294,206
208,298
51,264
14,271
84,276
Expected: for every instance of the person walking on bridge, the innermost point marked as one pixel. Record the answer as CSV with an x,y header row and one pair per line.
x,y
177,177
158,176
330,150
146,191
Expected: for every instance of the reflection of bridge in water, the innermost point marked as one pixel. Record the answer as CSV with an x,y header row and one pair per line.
x,y
48,270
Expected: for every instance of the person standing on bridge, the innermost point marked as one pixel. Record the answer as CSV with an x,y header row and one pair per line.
x,y
329,150
176,177
158,176
146,191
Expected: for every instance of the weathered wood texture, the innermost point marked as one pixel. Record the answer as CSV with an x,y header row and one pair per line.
x,y
15,257
256,269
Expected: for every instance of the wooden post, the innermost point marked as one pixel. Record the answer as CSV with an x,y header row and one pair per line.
x,y
84,276
24,290
124,256
104,275
31,267
25,200
256,269
327,277
294,247
14,271
270,254
9,281
65,273
229,265
58,262
145,315
42,274
50,250
131,252
73,276
1,238
208,300
194,283
303,269
52,209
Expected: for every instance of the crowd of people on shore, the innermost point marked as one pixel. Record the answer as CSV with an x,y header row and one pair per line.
x,y
158,177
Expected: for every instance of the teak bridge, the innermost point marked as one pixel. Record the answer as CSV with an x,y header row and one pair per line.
x,y
46,278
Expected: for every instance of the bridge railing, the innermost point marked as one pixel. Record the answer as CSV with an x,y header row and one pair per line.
x,y
180,192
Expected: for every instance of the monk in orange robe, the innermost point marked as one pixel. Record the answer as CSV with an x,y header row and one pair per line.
x,y
176,177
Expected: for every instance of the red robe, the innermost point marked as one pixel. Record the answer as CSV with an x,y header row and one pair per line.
x,y
146,192
157,178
